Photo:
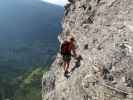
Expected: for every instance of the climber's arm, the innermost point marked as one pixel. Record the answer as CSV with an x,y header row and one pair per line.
x,y
74,51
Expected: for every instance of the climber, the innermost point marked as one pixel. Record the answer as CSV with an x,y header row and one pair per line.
x,y
67,50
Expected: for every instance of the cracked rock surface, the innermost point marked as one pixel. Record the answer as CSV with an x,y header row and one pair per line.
x,y
104,36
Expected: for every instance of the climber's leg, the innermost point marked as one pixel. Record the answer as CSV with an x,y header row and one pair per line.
x,y
67,66
67,59
66,70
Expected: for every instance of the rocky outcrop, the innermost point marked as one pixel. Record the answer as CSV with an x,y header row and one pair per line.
x,y
104,33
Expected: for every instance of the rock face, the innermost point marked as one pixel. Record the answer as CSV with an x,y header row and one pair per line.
x,y
104,34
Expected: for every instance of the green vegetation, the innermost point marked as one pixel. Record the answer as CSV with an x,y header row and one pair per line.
x,y
30,88
26,87
20,71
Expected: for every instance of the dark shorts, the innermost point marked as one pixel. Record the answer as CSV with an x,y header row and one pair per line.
x,y
67,57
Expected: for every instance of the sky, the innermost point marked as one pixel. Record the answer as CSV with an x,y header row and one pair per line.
x,y
58,2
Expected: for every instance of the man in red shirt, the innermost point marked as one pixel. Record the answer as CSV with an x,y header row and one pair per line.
x,y
68,49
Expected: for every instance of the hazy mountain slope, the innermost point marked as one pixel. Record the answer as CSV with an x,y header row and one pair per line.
x,y
28,34
21,19
28,40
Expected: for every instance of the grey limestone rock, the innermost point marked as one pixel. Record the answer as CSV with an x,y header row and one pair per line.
x,y
104,34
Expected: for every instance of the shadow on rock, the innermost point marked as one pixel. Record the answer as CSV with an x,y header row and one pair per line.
x,y
77,63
